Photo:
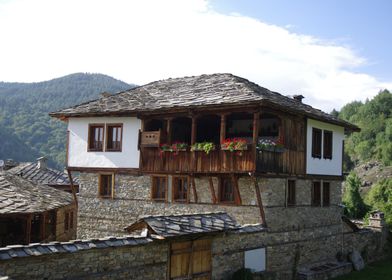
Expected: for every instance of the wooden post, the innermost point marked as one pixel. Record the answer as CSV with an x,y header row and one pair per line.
x,y
168,131
194,189
42,226
28,228
256,118
259,201
223,128
256,121
72,188
213,196
237,195
194,131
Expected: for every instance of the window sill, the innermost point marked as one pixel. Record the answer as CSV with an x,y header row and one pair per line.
x,y
92,150
118,151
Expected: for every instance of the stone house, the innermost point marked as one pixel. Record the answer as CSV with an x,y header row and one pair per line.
x,y
212,143
31,213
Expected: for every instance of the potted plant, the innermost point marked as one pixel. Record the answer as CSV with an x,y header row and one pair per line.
x,y
207,147
175,147
270,145
234,144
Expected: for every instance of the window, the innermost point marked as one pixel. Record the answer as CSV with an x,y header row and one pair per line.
x,y
316,143
95,137
326,193
68,220
114,137
106,185
180,189
327,144
316,194
290,192
159,188
226,190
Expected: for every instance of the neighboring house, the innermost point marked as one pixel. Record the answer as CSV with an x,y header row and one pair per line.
x,y
31,213
39,173
211,143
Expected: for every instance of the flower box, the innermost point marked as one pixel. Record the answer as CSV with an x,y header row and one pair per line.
x,y
234,144
206,147
270,146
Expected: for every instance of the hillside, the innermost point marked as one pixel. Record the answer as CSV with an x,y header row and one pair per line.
x,y
27,131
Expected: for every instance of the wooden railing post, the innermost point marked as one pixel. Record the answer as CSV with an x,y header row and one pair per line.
x,y
256,121
194,131
223,128
168,131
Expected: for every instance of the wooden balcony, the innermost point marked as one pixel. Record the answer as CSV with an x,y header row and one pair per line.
x,y
153,160
218,161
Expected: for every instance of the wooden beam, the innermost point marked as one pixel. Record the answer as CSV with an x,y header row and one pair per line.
x,y
211,184
256,119
259,201
194,131
28,228
72,188
223,128
194,189
237,195
168,130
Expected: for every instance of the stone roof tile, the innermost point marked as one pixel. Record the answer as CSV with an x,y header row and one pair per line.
x,y
18,195
190,93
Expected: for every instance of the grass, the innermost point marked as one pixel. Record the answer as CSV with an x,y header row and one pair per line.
x,y
375,271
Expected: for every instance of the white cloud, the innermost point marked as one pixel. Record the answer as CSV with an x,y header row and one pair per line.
x,y
143,41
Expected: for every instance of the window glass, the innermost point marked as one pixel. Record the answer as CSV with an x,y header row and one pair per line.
x,y
106,185
114,137
95,142
316,143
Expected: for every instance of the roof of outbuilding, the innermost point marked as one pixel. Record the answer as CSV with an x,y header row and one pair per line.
x,y
179,225
18,195
46,176
190,93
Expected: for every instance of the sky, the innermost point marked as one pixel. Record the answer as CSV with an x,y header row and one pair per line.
x,y
332,52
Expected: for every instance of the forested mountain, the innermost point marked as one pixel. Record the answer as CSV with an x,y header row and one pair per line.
x,y
374,142
26,130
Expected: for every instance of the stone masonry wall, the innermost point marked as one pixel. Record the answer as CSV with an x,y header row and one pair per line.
x,y
285,251
100,217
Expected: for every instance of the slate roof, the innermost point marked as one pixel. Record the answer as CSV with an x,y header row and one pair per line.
x,y
179,225
18,195
38,249
46,176
193,92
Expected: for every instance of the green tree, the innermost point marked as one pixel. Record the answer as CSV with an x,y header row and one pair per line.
x,y
352,200
380,198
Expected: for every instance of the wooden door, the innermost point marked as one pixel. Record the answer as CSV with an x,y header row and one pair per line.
x,y
191,260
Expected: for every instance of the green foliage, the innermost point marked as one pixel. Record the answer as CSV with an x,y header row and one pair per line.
x,y
374,142
207,147
354,204
27,131
380,198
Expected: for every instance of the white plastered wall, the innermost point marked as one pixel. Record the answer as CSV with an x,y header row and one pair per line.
x,y
321,166
78,156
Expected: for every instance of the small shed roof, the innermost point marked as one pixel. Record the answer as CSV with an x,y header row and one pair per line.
x,y
18,195
180,225
192,93
47,176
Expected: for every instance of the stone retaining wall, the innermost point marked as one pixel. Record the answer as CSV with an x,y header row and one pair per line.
x,y
146,258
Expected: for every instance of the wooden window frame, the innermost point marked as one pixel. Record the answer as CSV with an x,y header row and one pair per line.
x,y
153,188
175,191
315,203
327,144
90,127
220,187
326,195
108,126
100,185
316,147
291,197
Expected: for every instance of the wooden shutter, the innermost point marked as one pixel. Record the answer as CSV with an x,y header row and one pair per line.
x,y
327,144
326,193
316,194
316,143
290,192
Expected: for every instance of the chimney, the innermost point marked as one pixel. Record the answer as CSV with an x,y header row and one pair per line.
x,y
105,94
7,164
41,163
376,220
298,97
